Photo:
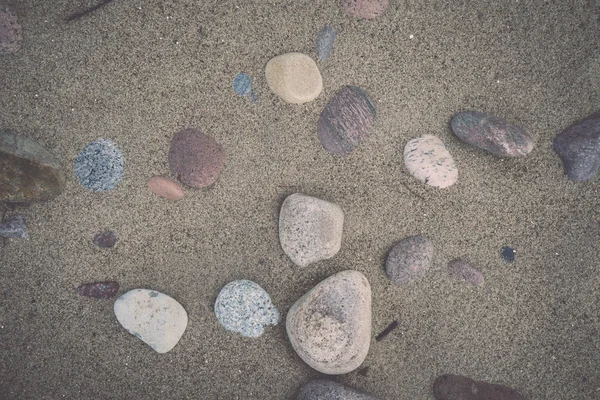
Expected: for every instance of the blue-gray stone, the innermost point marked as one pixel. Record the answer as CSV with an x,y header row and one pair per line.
x,y
244,307
325,40
242,84
100,166
508,254
14,227
321,389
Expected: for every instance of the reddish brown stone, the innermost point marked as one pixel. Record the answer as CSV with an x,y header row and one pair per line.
x,y
195,158
166,188
456,387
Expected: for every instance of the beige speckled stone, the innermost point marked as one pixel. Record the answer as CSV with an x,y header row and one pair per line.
x,y
428,160
294,77
153,317
310,229
164,187
330,326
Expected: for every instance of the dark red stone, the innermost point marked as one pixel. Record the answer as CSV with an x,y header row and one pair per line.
x,y
195,158
345,122
98,290
456,387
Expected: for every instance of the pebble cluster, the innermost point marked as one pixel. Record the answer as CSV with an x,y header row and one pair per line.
x,y
330,326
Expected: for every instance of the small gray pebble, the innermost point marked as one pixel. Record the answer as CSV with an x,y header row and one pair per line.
x,y
409,259
323,389
325,40
100,166
14,227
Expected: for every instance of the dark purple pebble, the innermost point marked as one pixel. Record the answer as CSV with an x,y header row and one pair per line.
x,y
492,134
14,227
321,389
579,148
105,239
346,120
463,270
409,259
98,290
456,387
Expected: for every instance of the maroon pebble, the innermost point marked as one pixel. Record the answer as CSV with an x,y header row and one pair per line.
x,y
463,270
456,387
98,290
195,158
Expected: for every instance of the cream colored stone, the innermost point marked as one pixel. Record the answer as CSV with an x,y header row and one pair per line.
x,y
164,187
294,77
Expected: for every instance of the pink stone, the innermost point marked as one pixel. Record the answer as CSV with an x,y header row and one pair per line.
x,y
165,187
195,158
368,9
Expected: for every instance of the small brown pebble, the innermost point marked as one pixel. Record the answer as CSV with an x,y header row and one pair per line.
x,y
165,187
456,387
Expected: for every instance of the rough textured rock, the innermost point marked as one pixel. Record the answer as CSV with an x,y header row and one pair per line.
x,y
294,77
463,270
14,227
98,290
330,326
368,9
492,134
244,307
10,32
456,387
346,120
100,166
195,158
105,239
324,389
325,40
153,317
28,172
409,259
165,187
310,229
579,148
427,159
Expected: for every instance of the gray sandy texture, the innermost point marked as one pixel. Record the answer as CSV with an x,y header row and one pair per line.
x,y
136,72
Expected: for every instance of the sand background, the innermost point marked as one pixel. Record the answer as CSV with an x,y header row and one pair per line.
x,y
138,71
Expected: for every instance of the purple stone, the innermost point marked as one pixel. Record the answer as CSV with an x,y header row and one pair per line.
x,y
106,239
456,387
463,270
345,122
98,290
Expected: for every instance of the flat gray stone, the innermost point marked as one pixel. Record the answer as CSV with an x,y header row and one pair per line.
x,y
153,317
310,229
330,326
409,259
324,389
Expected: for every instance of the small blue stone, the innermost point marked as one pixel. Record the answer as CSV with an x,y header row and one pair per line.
x,y
242,84
100,166
508,254
325,40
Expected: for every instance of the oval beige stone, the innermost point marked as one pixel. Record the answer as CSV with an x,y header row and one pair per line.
x,y
165,187
330,326
294,77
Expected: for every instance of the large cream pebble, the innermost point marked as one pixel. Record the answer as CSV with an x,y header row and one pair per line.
x,y
294,77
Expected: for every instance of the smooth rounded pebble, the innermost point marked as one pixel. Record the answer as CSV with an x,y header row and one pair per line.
x,y
492,134
463,270
244,307
579,148
11,34
165,187
195,158
310,229
409,259
346,120
294,77
98,290
325,389
106,239
456,387
242,84
508,254
325,40
330,326
368,9
28,172
153,317
14,227
100,166
427,159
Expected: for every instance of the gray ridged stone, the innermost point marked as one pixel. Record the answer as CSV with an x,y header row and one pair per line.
x,y
409,259
310,229
579,148
330,326
324,389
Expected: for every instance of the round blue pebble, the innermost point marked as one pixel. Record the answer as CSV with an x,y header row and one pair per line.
x,y
244,307
242,84
508,254
100,166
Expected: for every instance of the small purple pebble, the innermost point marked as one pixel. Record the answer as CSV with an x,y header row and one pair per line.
x,y
463,270
14,227
105,239
98,290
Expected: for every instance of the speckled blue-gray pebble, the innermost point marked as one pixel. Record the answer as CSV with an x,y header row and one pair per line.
x,y
244,307
325,40
100,166
242,84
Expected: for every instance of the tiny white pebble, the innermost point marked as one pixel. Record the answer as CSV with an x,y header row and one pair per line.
x,y
411,36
